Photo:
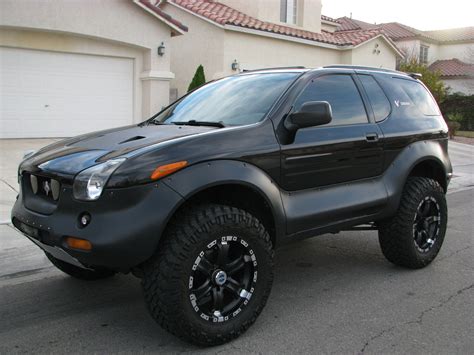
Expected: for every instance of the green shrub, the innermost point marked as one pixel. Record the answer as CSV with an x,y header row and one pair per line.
x,y
430,78
462,105
199,79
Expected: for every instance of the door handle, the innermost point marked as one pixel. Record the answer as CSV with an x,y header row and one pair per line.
x,y
372,137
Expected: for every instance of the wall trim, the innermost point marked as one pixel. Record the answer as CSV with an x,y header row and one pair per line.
x,y
157,75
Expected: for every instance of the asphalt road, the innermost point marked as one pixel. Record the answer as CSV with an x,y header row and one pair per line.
x,y
332,294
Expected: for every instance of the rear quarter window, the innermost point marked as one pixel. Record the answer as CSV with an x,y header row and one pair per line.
x,y
377,98
415,95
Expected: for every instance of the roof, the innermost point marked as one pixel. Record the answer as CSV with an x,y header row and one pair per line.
x,y
453,34
329,19
452,67
349,24
398,31
224,15
158,12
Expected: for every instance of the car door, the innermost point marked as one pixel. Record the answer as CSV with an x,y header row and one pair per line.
x,y
347,149
331,156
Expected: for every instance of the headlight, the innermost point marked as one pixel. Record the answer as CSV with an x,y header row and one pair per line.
x,y
89,183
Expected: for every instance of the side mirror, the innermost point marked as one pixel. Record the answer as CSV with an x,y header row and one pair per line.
x,y
311,113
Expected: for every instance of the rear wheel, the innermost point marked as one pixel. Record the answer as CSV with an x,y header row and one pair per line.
x,y
211,276
413,237
80,273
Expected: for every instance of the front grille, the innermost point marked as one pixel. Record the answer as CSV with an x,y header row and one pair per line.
x,y
43,187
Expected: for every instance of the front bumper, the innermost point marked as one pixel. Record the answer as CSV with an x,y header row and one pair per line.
x,y
125,228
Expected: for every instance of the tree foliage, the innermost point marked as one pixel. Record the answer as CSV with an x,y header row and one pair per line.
x,y
198,79
432,79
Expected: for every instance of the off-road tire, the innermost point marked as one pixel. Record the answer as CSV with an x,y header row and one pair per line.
x,y
166,275
396,236
79,273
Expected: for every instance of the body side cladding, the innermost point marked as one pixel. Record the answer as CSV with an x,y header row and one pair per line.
x,y
206,175
397,173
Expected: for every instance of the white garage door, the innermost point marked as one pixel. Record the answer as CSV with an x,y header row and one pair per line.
x,y
48,94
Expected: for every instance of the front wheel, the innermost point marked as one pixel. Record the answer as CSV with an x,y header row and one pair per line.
x,y
211,276
413,237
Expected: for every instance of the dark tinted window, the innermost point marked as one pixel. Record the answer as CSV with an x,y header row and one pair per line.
x,y
341,92
377,98
416,96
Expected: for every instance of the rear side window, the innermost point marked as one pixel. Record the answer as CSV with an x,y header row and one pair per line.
x,y
416,96
377,98
341,93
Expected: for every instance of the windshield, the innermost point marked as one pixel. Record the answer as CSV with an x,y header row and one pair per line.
x,y
232,101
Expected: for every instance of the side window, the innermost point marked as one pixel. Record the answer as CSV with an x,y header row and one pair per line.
x,y
377,98
416,96
342,93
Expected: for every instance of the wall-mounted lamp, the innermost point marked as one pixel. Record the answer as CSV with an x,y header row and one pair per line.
x,y
161,49
235,65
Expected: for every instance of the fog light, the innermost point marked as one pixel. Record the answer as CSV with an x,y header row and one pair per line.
x,y
76,243
84,219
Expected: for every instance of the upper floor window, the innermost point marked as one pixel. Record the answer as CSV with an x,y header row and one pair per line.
x,y
424,54
288,11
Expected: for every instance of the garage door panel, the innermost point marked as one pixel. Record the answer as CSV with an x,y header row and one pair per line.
x,y
47,94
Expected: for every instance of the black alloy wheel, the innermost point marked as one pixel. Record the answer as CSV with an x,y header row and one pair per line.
x,y
223,279
427,223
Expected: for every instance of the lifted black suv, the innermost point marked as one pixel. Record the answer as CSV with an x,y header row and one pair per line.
x,y
195,199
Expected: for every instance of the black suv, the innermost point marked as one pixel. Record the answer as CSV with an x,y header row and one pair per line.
x,y
195,200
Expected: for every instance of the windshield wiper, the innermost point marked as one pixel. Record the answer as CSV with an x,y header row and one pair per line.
x,y
200,123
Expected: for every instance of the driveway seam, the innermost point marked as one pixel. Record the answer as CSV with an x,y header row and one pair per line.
x,y
10,186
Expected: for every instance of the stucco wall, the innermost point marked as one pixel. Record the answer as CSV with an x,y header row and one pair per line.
x,y
364,55
202,44
253,52
462,51
103,27
466,86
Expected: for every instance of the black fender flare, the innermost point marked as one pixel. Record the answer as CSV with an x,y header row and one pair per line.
x,y
199,177
397,174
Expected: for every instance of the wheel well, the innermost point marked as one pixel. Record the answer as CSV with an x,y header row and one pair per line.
x,y
239,196
431,169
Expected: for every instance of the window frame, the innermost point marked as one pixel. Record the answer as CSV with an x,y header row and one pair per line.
x,y
360,90
284,12
424,53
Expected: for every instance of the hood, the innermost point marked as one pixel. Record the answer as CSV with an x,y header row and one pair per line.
x,y
70,156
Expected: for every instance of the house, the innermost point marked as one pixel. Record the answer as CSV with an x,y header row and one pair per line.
x,y
451,51
228,36
70,67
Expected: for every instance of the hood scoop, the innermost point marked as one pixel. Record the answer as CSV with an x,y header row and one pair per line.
x,y
136,138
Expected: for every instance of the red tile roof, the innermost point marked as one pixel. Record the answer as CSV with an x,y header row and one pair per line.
x,y
398,31
165,16
349,24
452,67
329,19
453,34
224,15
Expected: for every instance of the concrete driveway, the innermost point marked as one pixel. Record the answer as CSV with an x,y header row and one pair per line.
x,y
332,294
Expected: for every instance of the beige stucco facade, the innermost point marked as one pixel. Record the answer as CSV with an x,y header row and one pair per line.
x,y
438,51
308,11
374,53
110,28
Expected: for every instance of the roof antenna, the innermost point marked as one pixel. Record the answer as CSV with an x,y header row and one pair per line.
x,y
350,16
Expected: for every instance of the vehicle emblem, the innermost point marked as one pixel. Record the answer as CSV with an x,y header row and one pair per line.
x,y
221,278
397,103
46,188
